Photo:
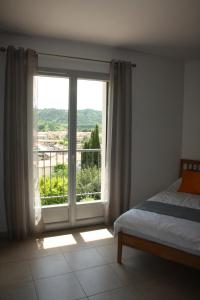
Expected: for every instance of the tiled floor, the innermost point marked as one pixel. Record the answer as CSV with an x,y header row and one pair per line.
x,y
67,265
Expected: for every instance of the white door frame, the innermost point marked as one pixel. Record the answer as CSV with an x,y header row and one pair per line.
x,y
68,215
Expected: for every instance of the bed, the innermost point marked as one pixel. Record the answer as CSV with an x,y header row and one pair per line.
x,y
166,225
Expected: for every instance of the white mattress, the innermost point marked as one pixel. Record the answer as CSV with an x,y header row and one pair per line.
x,y
175,232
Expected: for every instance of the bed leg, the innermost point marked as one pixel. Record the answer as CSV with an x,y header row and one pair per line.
x,y
119,249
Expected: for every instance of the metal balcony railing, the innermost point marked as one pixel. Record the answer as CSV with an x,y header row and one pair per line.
x,y
53,175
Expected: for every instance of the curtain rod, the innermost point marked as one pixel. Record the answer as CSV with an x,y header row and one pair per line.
x,y
71,57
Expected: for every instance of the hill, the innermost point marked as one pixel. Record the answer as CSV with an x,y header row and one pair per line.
x,y
51,119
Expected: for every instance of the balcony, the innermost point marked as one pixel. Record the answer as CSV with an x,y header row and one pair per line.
x,y
54,175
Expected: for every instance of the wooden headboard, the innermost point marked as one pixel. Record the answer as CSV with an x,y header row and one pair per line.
x,y
188,164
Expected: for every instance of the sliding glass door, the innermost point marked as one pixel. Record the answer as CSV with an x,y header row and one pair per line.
x,y
70,147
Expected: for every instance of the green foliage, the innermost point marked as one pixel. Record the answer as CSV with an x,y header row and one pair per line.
x,y
88,181
60,170
87,119
63,142
54,190
89,159
51,119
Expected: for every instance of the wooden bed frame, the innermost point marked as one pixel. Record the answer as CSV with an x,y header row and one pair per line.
x,y
160,250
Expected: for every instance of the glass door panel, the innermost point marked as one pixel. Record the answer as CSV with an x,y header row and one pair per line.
x,y
52,138
70,147
90,98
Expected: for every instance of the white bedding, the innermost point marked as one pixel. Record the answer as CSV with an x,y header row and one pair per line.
x,y
175,232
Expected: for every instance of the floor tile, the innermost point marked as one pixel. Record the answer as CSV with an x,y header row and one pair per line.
x,y
73,242
72,248
49,266
14,272
137,270
76,247
20,291
109,252
163,290
36,249
84,259
95,237
152,278
154,269
64,287
118,294
100,242
12,252
141,276
98,279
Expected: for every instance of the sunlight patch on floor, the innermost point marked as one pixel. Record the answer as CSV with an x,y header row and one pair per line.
x,y
56,241
95,235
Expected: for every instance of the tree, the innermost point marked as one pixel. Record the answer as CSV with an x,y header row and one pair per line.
x,y
53,190
60,170
91,158
52,119
63,142
88,181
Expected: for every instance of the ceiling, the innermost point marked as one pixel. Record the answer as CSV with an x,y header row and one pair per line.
x,y
164,27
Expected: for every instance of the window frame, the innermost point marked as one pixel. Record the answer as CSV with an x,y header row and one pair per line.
x,y
74,209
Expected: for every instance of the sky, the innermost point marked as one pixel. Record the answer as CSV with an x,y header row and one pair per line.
x,y
53,93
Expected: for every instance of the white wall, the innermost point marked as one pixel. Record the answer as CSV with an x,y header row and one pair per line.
x,y
191,111
157,107
157,126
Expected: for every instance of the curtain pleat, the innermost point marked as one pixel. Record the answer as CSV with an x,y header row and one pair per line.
x,y
21,66
118,145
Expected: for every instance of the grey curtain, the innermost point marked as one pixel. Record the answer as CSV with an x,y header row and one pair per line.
x,y
118,145
21,66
